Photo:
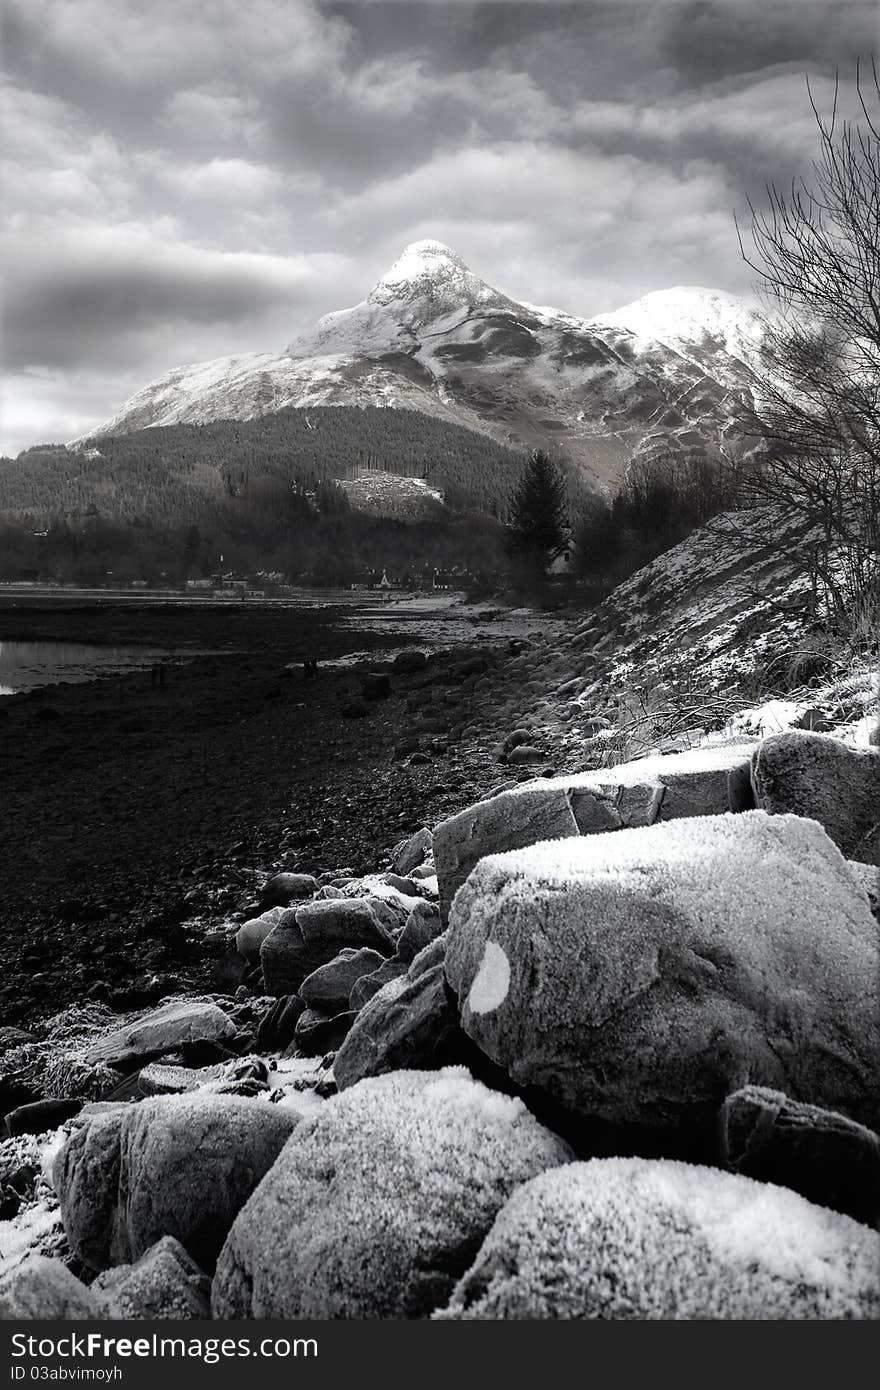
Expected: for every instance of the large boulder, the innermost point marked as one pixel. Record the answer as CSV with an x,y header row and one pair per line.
x,y
179,1165
310,936
164,1283
633,1239
640,977
163,1030
814,775
826,1157
378,1202
45,1290
700,783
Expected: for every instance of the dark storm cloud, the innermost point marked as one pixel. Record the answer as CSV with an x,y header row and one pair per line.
x,y
188,181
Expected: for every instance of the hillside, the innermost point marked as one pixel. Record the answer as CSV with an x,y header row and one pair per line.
x,y
183,474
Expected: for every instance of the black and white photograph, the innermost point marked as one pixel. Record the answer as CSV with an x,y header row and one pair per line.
x,y
439,672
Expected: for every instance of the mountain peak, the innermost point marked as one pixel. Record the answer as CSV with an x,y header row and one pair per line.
x,y
423,259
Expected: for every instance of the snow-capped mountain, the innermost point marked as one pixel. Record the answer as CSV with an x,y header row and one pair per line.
x,y
672,370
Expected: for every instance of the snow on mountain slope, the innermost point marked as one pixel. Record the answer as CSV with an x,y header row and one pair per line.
x,y
671,370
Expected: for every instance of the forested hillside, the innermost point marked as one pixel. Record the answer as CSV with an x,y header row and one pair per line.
x,y
185,474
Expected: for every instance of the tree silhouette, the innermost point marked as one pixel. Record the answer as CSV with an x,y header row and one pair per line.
x,y
537,529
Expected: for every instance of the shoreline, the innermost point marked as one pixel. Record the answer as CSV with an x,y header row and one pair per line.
x,y
135,818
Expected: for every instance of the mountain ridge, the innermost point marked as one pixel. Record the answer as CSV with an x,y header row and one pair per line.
x,y
673,371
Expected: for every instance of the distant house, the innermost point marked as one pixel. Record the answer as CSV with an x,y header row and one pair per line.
x,y
562,563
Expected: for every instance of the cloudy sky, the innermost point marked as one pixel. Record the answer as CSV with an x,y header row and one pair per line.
x,y
187,179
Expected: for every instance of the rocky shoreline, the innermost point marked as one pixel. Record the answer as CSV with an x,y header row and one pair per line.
x,y
568,1039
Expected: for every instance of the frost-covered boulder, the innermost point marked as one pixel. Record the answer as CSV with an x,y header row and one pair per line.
x,y
164,1283
700,783
640,977
814,775
378,1202
826,1157
162,1030
44,1289
310,936
633,1239
177,1165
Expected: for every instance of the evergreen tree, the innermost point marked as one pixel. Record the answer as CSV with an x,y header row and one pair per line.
x,y
537,529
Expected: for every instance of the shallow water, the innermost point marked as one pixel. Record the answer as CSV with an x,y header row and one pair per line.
x,y
31,665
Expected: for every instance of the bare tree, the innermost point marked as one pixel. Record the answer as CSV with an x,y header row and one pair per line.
x,y
816,251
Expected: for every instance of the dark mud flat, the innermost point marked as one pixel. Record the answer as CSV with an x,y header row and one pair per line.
x,y
132,815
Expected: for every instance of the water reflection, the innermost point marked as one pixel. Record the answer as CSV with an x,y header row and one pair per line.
x,y
30,665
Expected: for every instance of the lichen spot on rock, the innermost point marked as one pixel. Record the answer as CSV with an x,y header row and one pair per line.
x,y
491,982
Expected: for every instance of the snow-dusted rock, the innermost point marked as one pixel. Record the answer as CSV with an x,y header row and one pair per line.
x,y
631,1239
640,977
40,1288
310,936
368,986
377,1203
666,787
824,1156
815,775
162,1030
173,1165
164,1283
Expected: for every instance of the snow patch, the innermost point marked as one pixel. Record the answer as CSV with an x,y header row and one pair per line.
x,y
491,982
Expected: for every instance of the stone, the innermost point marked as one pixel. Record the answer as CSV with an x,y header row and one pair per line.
x,y
868,878
375,685
666,787
45,1290
630,1239
165,1283
286,888
318,1033
410,853
40,1116
409,662
377,1203
278,1025
422,926
408,1025
310,936
163,1030
526,753
251,934
328,988
814,775
638,978
177,1166
368,986
826,1157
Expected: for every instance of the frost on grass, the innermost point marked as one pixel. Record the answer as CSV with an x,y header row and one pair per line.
x,y
377,1204
637,1239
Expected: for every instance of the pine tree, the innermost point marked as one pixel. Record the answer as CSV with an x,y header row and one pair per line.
x,y
537,531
